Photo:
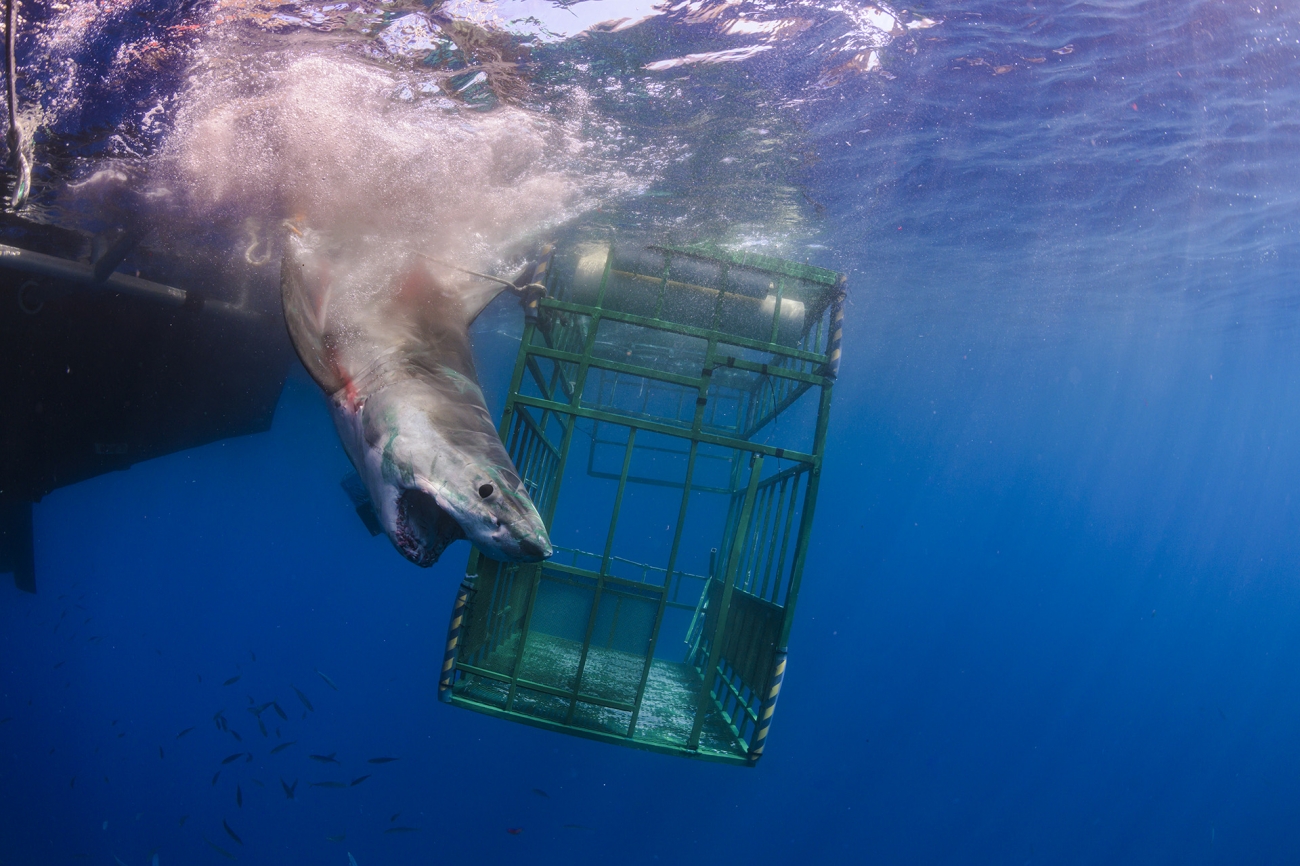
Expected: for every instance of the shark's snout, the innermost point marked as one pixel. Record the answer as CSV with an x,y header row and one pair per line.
x,y
531,551
521,537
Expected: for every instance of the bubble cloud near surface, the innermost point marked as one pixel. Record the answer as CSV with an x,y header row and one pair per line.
x,y
322,138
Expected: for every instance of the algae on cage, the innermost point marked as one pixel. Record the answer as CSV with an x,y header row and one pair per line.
x,y
698,384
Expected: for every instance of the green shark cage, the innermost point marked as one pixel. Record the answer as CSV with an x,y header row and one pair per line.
x,y
668,414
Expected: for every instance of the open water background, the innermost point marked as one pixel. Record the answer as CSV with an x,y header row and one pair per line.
x,y
1048,615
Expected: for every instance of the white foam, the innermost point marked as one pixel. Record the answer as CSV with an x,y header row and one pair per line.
x,y
324,138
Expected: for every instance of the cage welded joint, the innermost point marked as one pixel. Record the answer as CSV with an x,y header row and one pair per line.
x,y
668,413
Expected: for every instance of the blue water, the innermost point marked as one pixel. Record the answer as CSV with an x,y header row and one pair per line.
x,y
1048,614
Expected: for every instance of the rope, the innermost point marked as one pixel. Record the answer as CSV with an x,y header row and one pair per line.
x,y
447,680
506,283
18,158
528,294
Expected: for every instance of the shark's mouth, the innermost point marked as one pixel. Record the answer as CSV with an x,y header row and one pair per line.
x,y
424,529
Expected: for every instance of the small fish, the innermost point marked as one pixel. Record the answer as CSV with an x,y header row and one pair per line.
x,y
261,726
396,815
184,818
279,711
325,759
183,733
73,783
239,797
231,833
359,779
352,861
401,829
288,789
514,831
160,752
6,719
338,838
252,655
235,734
222,851
232,680
539,792
230,759
329,682
306,703
329,784
60,664
215,777
383,760
282,747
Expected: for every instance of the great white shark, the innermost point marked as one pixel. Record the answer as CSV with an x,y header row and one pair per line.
x,y
394,361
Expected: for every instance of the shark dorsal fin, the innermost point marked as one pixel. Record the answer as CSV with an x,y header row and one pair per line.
x,y
452,299
476,299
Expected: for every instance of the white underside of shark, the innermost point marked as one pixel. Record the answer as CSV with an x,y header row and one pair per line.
x,y
387,339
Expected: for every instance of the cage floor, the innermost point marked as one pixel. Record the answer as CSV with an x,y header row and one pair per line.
x,y
667,710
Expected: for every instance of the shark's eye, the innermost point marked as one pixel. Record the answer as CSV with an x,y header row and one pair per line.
x,y
485,491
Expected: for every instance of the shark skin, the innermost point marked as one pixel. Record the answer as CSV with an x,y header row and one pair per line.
x,y
399,376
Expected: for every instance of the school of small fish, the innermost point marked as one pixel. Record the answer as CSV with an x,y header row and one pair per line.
x,y
236,778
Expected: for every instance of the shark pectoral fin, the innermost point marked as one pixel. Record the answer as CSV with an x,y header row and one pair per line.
x,y
305,307
355,488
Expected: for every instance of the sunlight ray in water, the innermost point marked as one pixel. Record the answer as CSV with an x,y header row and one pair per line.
x,y
1043,255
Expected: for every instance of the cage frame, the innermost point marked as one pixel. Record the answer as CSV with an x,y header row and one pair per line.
x,y
793,371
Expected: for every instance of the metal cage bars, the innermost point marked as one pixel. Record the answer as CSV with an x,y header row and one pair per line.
x,y
740,651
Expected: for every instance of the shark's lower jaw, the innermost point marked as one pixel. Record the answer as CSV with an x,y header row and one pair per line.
x,y
423,530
